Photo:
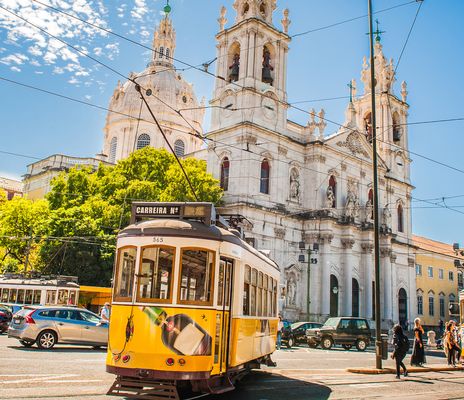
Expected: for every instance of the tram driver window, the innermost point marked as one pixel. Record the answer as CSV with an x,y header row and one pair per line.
x,y
246,291
196,276
125,274
155,274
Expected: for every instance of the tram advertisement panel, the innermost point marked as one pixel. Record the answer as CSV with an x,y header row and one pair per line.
x,y
145,336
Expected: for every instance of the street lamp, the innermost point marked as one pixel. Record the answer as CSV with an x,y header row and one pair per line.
x,y
301,258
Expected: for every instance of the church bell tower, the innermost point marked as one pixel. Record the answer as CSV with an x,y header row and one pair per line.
x,y
251,67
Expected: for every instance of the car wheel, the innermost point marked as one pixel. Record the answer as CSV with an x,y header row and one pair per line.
x,y
26,343
290,342
46,340
347,346
327,343
361,345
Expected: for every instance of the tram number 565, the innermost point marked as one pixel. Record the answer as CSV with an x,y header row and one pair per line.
x,y
158,239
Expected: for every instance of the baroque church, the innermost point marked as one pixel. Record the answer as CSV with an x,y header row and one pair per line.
x,y
297,192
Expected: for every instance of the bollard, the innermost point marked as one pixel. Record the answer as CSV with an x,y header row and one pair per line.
x,y
384,339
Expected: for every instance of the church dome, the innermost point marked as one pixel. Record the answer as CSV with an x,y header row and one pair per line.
x,y
166,92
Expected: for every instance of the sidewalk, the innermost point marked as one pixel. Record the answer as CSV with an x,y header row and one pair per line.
x,y
390,370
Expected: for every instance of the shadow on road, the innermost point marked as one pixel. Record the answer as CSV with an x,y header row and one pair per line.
x,y
59,349
264,386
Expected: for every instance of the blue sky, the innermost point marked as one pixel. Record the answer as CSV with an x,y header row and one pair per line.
x,y
320,65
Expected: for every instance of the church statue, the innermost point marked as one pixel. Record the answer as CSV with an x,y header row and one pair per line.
x,y
222,18
234,68
386,217
294,185
351,207
369,210
267,67
291,292
330,198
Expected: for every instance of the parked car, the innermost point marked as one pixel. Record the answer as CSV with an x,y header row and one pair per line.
x,y
14,308
5,318
346,331
299,330
47,326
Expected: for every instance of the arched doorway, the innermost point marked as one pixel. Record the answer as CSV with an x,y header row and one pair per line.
x,y
333,296
355,298
402,307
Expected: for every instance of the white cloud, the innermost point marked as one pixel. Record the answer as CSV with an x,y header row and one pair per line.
x,y
16,58
88,97
140,9
15,69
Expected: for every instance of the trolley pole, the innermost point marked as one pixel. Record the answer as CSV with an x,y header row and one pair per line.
x,y
378,319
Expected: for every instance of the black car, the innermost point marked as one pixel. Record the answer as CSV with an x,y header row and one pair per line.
x,y
287,335
5,319
299,330
346,331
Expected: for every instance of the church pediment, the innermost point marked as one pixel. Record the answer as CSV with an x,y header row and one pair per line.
x,y
355,143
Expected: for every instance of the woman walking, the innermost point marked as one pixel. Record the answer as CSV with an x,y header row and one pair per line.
x,y
451,344
401,344
418,354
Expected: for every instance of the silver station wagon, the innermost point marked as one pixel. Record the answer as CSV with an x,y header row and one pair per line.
x,y
47,326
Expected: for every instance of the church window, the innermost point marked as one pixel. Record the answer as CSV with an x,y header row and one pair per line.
x,y
400,218
225,165
431,304
265,174
113,148
143,141
184,99
168,53
420,303
396,128
161,52
234,62
442,305
246,8
333,189
179,148
368,126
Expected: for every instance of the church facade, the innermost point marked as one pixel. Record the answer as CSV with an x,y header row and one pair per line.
x,y
298,192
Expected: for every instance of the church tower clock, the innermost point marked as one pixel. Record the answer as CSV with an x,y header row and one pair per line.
x,y
251,67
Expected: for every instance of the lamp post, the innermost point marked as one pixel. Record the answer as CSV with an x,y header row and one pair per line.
x,y
310,261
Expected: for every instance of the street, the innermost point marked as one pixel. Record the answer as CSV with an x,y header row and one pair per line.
x,y
301,373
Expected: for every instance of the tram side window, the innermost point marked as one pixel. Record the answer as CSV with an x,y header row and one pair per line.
x,y
37,296
51,297
265,306
197,268
222,266
155,274
62,296
125,274
5,293
254,282
246,291
259,295
274,297
20,298
28,299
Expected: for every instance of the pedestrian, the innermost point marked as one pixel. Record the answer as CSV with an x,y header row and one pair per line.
x,y
418,353
401,345
105,313
451,344
457,339
280,327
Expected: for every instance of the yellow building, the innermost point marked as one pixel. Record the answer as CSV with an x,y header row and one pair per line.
x,y
437,280
11,187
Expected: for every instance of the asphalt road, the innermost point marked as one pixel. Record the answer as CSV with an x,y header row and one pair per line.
x,y
69,372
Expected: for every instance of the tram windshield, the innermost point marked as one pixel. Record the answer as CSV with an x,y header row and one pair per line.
x,y
125,273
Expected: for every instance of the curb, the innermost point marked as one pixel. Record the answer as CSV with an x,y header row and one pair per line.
x,y
374,371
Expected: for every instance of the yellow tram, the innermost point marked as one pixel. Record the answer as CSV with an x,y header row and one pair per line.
x,y
194,306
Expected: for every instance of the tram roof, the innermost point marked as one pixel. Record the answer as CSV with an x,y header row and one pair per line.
x,y
193,229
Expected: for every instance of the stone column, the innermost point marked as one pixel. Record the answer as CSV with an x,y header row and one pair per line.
x,y
367,265
251,52
385,253
347,244
325,275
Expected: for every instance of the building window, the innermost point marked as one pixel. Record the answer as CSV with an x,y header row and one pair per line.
x,y
265,173
168,54
396,128
418,270
161,52
451,275
143,141
400,218
430,272
113,148
179,148
333,190
442,306
431,305
460,280
420,304
441,274
225,166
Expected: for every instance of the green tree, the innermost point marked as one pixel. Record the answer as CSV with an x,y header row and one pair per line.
x,y
89,207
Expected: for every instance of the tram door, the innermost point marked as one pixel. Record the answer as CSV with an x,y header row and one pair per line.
x,y
223,314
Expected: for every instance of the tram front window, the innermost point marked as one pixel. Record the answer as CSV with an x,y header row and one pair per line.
x,y
125,272
155,274
195,284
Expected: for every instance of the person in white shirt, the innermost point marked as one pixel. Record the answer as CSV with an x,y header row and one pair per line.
x,y
105,313
280,327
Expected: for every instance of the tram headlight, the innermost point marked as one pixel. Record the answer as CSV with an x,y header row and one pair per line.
x,y
181,362
170,362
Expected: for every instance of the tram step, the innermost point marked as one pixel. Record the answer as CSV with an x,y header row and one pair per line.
x,y
225,385
144,389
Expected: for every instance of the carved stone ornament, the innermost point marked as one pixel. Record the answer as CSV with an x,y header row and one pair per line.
x,y
343,166
315,158
385,252
347,243
222,18
411,262
247,138
354,144
282,150
367,247
294,185
386,217
330,197
285,21
279,233
392,257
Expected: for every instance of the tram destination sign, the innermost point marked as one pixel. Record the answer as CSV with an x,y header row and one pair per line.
x,y
152,210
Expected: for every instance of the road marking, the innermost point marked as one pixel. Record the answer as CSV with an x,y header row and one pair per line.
x,y
43,378
367,385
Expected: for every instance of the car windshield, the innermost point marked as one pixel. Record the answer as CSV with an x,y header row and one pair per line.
x,y
297,325
332,322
